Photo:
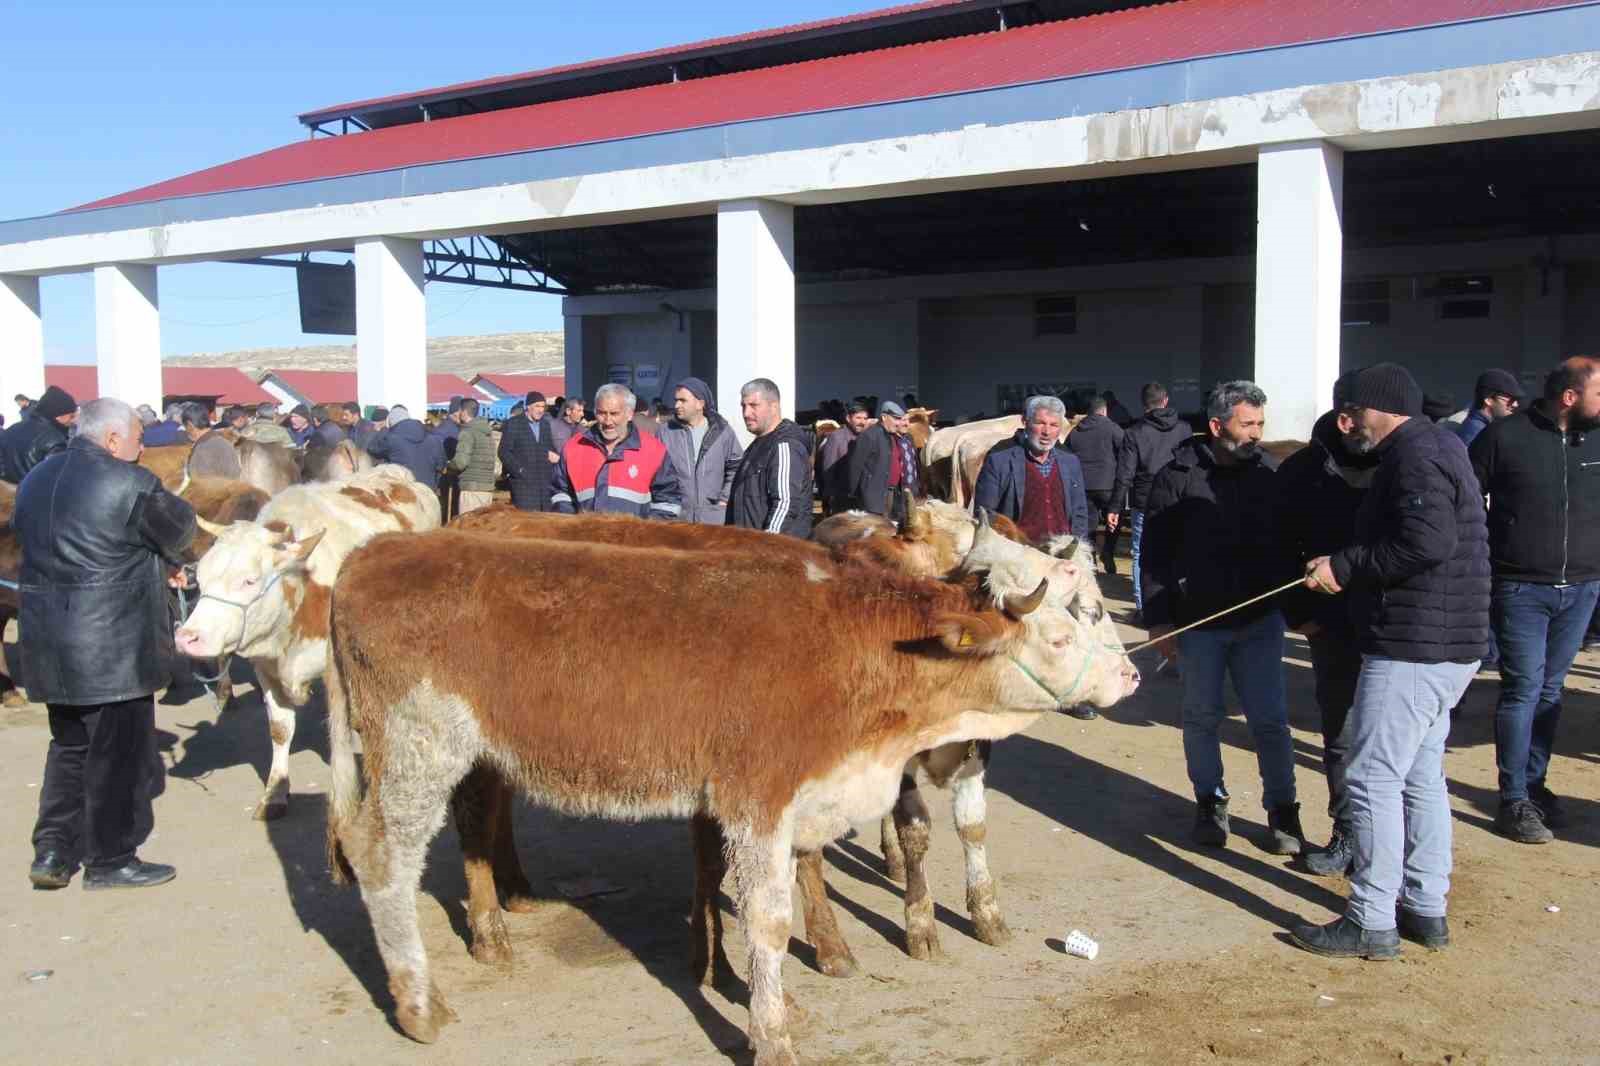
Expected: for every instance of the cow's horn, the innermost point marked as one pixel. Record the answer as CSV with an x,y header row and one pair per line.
x,y
1018,605
214,528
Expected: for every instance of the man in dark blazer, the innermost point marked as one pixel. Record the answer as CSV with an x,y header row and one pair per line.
x,y
1034,481
882,463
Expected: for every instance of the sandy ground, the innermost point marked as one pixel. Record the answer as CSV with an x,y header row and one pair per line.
x,y
252,956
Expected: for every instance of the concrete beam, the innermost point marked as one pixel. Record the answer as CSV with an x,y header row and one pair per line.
x,y
1299,282
391,325
755,302
127,333
1479,102
22,339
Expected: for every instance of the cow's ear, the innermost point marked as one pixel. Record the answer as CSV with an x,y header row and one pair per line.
x,y
978,635
298,551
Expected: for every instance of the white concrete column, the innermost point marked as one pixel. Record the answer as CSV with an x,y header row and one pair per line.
x,y
22,341
127,333
391,325
1299,278
755,302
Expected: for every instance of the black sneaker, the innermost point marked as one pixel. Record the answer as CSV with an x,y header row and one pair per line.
x,y
1336,859
1431,933
1550,806
1344,939
1284,835
51,869
1521,821
1211,823
136,873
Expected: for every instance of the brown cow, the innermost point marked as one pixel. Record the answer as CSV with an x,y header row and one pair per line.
x,y
901,665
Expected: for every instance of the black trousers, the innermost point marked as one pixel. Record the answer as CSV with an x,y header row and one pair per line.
x,y
1100,506
95,802
1336,661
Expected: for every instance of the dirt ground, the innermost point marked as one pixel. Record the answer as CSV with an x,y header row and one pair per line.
x,y
253,956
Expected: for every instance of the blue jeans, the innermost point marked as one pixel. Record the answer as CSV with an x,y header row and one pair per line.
x,y
1252,655
1539,629
1393,783
1138,535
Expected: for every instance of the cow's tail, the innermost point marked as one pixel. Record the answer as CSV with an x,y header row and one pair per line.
x,y
344,789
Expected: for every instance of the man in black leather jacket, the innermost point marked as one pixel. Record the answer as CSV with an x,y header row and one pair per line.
x,y
98,533
41,432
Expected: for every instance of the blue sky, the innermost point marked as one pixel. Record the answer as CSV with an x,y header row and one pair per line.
x,y
106,97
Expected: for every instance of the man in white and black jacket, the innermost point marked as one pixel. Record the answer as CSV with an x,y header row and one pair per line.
x,y
1540,469
1417,583
772,489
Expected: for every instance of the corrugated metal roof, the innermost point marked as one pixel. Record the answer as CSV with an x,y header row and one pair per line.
x,y
338,386
225,383
1183,29
519,385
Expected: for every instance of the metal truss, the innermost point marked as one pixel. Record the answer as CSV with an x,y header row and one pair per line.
x,y
345,126
481,261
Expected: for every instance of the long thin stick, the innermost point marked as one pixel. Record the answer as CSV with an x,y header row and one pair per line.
x,y
1219,614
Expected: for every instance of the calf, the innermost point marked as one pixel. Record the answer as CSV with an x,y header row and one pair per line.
x,y
265,588
853,670
220,502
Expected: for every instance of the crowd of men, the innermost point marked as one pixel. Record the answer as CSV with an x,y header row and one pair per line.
x,y
1374,541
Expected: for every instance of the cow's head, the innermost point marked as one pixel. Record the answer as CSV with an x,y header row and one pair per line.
x,y
242,604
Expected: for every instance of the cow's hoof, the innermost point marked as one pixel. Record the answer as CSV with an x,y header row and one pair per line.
x,y
991,929
270,810
923,944
491,944
520,902
838,964
13,698
423,1025
776,1053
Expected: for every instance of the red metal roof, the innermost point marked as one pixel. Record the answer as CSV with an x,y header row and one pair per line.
x,y
482,84
225,383
338,386
1183,29
522,384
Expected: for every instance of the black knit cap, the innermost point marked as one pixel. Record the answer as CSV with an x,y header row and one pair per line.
x,y
1387,387
55,402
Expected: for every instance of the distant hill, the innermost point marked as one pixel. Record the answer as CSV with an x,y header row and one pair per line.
x,y
506,353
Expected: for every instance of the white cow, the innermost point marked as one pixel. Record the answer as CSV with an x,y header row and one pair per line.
x,y
266,587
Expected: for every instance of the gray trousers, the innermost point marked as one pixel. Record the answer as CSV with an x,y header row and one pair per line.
x,y
1393,777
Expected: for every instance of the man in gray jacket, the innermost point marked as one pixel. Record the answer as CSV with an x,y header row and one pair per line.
x,y
704,450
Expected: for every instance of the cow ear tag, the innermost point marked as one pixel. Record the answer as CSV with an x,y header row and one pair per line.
x,y
966,640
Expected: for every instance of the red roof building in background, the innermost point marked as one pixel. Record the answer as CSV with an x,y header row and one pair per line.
x,y
219,384
517,386
339,386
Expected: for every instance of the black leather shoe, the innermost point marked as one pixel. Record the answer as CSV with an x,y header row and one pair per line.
x,y
1344,939
136,874
51,869
1284,835
1431,933
1211,822
1083,712
1522,821
1334,860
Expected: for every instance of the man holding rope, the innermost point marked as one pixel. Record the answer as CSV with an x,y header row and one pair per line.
x,y
1211,541
1417,577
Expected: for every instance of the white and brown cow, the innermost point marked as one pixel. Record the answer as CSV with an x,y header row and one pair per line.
x,y
790,735
265,587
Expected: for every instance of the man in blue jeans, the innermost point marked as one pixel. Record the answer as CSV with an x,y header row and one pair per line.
x,y
1417,583
1540,469
1212,542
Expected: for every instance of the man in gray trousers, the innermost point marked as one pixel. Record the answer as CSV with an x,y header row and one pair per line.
x,y
1418,587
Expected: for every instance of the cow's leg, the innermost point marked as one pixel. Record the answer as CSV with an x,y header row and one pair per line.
x,y
274,801
516,894
822,929
968,804
763,870
708,962
475,808
911,818
894,857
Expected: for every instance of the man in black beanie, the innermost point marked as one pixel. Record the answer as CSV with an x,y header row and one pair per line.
x,y
42,432
1417,578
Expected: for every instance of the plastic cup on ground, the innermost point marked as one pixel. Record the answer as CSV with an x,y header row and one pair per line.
x,y
1080,945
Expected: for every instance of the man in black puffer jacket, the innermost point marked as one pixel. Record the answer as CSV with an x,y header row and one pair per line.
x,y
1541,471
1322,486
1147,446
98,535
410,444
772,488
1417,577
42,432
